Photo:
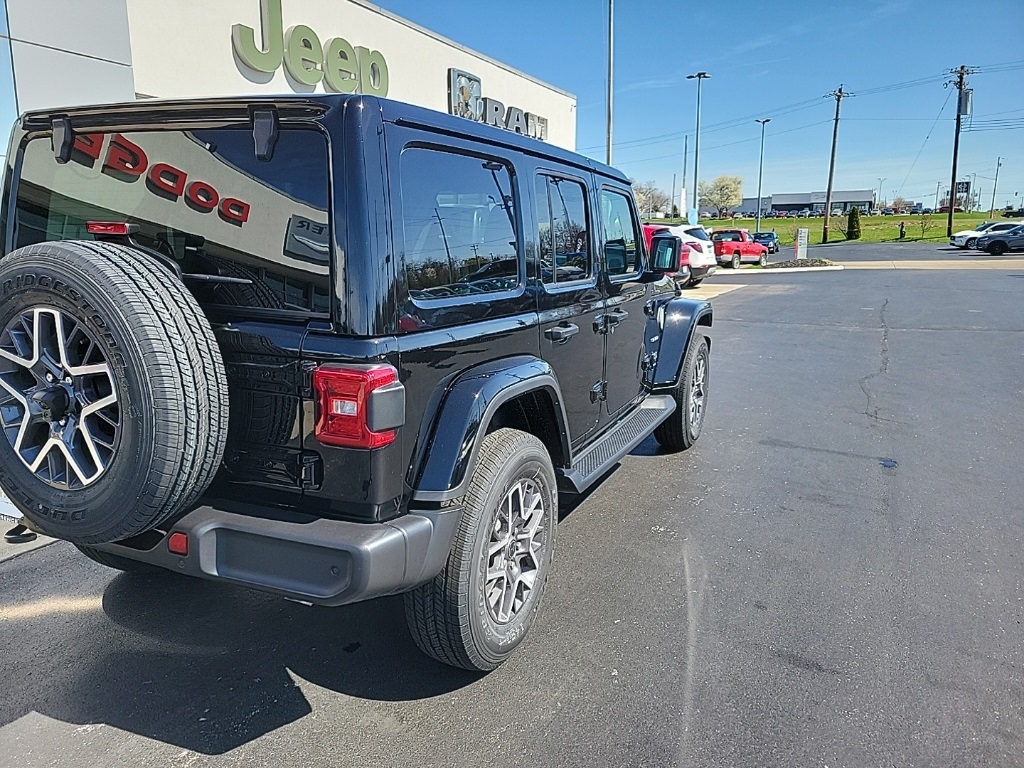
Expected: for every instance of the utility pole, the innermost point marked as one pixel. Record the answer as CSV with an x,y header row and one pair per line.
x,y
938,185
672,199
879,201
611,53
961,83
992,208
760,172
838,95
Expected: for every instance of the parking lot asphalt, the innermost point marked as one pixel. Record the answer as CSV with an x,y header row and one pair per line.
x,y
831,577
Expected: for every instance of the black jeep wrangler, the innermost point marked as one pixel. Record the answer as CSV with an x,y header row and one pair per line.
x,y
329,347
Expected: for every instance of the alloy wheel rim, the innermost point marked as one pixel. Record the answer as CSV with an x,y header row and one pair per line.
x,y
697,391
59,406
515,551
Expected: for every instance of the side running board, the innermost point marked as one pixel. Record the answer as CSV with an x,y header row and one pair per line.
x,y
608,449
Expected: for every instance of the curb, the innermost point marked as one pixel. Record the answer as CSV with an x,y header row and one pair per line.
x,y
784,270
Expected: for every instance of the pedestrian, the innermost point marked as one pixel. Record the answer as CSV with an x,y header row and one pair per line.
x,y
903,229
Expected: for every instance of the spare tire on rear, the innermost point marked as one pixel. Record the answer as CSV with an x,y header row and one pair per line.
x,y
113,395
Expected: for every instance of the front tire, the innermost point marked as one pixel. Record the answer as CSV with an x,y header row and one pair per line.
x,y
971,242
763,261
478,609
682,429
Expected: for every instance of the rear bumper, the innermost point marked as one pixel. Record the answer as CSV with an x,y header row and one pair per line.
x,y
314,560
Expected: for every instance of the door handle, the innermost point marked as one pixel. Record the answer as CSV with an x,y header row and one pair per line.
x,y
615,317
562,333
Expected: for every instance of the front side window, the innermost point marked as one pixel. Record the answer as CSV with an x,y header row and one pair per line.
x,y
458,220
562,230
200,198
621,234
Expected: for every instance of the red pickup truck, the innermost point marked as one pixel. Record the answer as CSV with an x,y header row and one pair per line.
x,y
736,246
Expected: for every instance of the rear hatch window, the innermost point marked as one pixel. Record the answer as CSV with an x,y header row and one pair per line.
x,y
201,198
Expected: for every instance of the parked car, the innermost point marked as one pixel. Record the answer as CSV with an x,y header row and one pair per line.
x,y
805,213
735,247
390,428
1014,214
836,212
888,211
945,209
969,237
999,243
697,255
769,240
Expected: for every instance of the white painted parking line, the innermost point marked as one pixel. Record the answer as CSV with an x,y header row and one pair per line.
x,y
709,290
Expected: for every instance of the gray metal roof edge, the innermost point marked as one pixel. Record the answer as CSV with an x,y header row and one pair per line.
x,y
458,46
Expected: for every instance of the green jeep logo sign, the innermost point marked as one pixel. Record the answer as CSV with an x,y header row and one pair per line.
x,y
342,68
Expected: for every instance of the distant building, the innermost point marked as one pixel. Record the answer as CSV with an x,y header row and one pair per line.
x,y
844,200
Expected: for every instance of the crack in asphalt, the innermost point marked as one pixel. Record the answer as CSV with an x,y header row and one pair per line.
x,y
871,408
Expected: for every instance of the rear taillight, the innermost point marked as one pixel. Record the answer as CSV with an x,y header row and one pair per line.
x,y
684,255
358,406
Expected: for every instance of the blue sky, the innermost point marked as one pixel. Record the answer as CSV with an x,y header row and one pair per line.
x,y
763,57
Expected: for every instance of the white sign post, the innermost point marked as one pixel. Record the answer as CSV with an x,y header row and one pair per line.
x,y
801,243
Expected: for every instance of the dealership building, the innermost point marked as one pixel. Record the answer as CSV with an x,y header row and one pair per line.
x,y
122,50
844,200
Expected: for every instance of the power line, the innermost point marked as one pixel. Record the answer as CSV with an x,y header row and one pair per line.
x,y
918,156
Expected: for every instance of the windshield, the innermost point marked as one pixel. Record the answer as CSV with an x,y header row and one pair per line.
x,y
200,198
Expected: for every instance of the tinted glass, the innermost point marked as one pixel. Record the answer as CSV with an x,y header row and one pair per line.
x,y
621,234
663,257
200,198
698,233
458,218
562,224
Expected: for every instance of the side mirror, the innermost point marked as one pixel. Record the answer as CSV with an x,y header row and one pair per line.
x,y
665,250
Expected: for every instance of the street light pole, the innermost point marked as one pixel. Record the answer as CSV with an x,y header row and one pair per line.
x,y
611,52
760,172
698,76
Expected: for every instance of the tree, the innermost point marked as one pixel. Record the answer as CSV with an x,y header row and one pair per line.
x,y
649,198
723,193
924,221
853,224
899,203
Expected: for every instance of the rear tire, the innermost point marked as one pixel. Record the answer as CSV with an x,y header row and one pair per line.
x,y
997,248
693,282
736,261
117,378
478,609
683,427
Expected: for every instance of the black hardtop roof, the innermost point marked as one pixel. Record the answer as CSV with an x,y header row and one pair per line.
x,y
392,111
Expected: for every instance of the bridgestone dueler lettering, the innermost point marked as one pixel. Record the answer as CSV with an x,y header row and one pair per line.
x,y
168,376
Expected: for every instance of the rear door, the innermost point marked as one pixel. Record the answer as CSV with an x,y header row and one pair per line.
x,y
251,237
570,304
624,317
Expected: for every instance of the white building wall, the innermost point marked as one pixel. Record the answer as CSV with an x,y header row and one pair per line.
x,y
67,53
184,49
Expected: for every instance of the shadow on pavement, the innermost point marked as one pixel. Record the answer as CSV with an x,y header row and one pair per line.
x,y
210,667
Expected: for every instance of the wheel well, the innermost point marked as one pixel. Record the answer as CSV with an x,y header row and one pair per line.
x,y
533,412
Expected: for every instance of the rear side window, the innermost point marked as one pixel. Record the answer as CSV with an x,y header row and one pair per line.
x,y
621,234
458,221
562,230
200,197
